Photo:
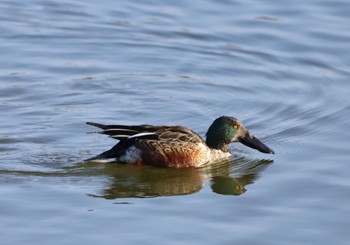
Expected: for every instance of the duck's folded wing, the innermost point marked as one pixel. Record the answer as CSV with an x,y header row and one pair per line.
x,y
125,131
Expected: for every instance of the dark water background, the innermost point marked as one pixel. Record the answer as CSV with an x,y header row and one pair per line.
x,y
281,67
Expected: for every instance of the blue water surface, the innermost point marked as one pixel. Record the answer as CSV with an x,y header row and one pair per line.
x,y
281,67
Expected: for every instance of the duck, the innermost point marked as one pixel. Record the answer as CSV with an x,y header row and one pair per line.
x,y
175,146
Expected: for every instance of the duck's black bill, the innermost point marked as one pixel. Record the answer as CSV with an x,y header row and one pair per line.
x,y
252,142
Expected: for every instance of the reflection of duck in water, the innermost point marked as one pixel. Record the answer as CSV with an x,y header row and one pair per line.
x,y
176,146
227,178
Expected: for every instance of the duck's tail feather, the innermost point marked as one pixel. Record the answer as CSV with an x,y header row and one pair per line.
x,y
126,140
114,152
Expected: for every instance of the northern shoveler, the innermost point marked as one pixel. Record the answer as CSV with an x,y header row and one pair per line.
x,y
175,146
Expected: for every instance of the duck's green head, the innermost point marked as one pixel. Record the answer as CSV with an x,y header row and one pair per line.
x,y
225,130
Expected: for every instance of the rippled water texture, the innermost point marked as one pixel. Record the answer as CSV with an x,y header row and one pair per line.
x,y
281,67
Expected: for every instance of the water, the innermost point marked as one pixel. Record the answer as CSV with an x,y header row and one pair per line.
x,y
280,67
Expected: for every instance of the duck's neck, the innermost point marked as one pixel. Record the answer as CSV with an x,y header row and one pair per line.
x,y
213,144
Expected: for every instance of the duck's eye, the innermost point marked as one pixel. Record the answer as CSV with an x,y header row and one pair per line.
x,y
235,126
